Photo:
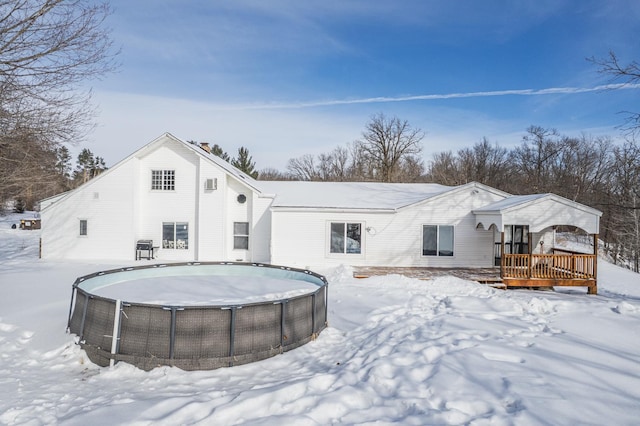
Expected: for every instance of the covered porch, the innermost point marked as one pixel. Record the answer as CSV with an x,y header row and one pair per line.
x,y
527,253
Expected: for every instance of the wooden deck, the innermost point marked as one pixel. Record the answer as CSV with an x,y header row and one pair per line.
x,y
518,271
481,275
565,269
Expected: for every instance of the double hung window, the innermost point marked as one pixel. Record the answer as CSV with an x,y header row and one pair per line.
x,y
241,235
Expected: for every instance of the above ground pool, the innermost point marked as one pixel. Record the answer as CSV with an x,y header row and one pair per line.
x,y
196,316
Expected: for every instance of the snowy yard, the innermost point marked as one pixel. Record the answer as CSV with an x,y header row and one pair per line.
x,y
397,350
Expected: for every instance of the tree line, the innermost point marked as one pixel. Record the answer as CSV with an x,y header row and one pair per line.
x,y
590,170
55,174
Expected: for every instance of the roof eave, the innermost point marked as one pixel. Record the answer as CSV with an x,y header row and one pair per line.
x,y
332,209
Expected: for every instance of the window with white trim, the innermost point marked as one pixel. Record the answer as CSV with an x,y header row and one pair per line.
x,y
241,235
346,238
163,180
175,235
83,227
437,240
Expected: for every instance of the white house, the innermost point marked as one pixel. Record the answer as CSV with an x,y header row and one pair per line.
x,y
196,207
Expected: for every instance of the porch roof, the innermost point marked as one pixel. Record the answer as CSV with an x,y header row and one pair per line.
x,y
538,211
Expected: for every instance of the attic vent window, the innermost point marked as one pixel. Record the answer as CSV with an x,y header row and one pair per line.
x,y
163,180
242,198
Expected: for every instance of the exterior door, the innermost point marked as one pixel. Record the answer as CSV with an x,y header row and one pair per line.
x,y
516,239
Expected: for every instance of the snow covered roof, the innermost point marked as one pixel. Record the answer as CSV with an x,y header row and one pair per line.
x,y
507,203
539,211
349,195
225,165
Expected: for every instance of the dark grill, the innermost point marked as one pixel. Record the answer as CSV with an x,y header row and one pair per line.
x,y
144,249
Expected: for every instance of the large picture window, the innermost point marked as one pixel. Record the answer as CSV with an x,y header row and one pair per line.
x,y
346,238
437,240
241,235
163,180
175,235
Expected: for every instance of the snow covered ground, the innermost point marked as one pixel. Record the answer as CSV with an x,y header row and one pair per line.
x,y
397,350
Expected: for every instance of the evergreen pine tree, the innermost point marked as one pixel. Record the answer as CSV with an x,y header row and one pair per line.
x,y
98,166
84,164
88,166
219,152
244,163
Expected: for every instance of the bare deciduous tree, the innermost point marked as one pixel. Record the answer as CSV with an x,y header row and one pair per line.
x,y
443,169
534,160
583,168
48,48
303,168
627,74
360,165
485,163
334,166
27,172
270,173
623,206
387,142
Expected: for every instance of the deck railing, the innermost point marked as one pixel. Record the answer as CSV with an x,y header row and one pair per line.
x,y
549,266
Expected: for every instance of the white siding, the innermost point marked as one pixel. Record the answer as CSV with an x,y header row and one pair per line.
x,y
300,238
105,204
212,213
120,208
541,214
260,238
546,238
156,207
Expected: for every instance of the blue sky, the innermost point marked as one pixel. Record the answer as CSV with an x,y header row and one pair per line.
x,y
287,78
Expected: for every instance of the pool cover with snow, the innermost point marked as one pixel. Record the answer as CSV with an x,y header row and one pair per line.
x,y
196,316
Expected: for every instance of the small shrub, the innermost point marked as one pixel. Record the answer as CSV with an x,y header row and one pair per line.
x,y
19,205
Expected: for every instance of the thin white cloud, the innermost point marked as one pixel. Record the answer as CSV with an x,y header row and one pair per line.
x,y
275,133
409,98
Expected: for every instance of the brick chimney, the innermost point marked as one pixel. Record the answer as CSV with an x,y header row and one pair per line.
x,y
205,146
